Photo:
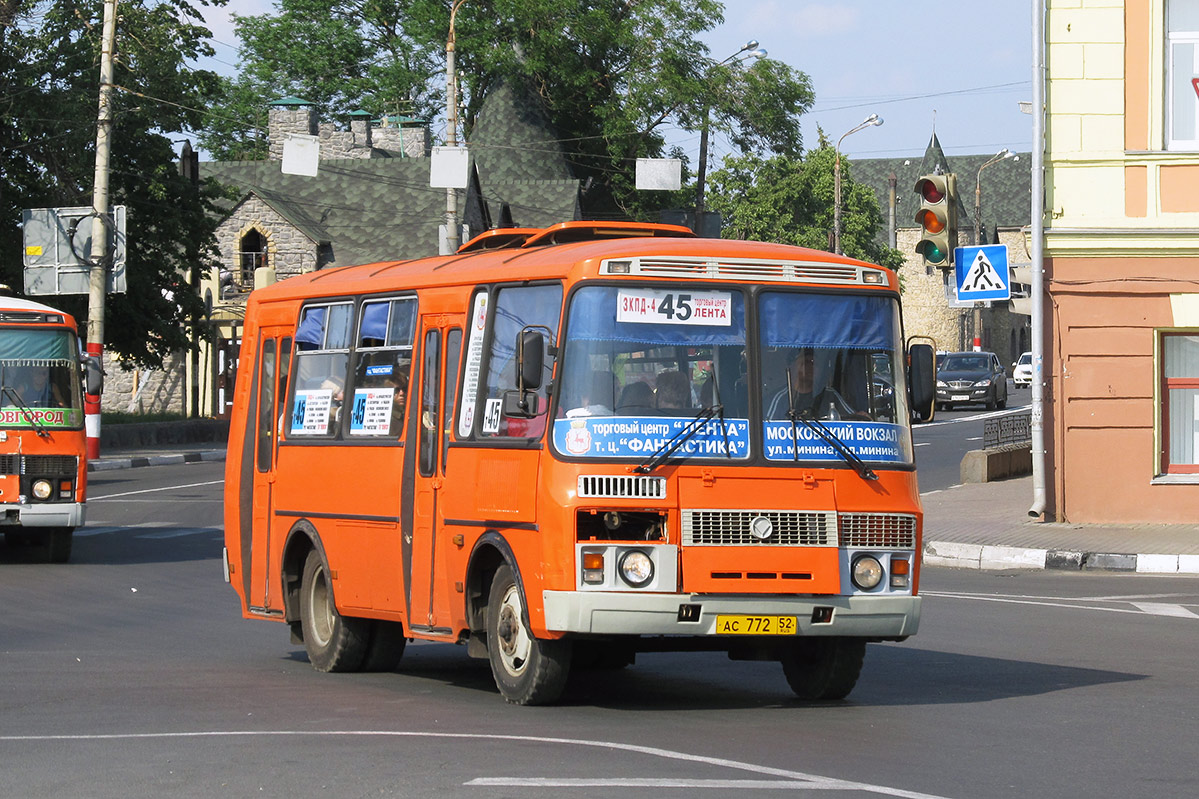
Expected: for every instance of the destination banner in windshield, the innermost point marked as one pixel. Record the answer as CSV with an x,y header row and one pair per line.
x,y
46,417
870,441
628,436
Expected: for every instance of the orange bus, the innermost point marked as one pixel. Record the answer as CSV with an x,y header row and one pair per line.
x,y
43,446
572,445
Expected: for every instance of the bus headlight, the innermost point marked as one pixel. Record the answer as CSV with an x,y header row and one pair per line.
x,y
42,489
636,568
866,572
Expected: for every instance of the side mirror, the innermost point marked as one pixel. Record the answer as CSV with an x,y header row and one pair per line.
x,y
530,359
922,381
93,375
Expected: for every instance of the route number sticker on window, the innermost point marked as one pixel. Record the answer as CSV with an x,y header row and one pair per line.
x,y
656,307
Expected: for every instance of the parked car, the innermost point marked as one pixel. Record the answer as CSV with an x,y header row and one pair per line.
x,y
971,377
1022,370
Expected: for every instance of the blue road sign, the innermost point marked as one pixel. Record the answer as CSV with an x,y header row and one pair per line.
x,y
982,273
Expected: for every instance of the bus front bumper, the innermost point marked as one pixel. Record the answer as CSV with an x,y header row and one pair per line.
x,y
48,514
629,613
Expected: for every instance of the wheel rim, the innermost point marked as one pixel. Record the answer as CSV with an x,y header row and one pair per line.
x,y
513,637
320,608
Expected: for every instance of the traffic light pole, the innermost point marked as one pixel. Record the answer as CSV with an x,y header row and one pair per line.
x,y
98,276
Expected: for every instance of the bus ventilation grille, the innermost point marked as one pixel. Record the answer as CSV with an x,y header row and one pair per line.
x,y
42,465
767,271
878,531
622,487
737,528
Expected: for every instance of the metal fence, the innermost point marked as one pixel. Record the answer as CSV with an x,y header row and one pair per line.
x,y
1004,430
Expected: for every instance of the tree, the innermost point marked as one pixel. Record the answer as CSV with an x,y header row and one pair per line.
x,y
790,200
49,55
611,74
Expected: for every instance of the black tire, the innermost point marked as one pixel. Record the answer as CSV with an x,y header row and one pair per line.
x,y
18,538
386,646
57,542
823,669
993,400
334,642
527,670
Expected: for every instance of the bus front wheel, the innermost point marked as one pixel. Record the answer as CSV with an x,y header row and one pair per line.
x,y
527,670
822,669
58,544
334,642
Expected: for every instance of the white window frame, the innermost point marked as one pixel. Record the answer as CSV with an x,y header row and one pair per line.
x,y
1175,38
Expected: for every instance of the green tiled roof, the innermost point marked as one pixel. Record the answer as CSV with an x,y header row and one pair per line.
x,y
1006,185
513,141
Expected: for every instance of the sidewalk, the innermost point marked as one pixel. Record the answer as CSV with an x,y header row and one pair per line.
x,y
972,526
986,526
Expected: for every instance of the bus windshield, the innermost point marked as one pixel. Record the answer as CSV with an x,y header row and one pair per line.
x,y
640,364
39,378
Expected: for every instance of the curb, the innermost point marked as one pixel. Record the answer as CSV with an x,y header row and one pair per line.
x,y
998,558
111,464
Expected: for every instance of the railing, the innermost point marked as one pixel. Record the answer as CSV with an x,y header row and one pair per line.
x,y
1004,430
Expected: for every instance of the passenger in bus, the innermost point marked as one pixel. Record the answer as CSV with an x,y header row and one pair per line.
x,y
636,399
802,395
673,391
399,400
600,396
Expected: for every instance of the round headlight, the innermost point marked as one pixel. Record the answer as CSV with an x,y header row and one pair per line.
x,y
636,568
42,489
866,572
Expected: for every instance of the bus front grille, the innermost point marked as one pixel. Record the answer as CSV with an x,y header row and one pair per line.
x,y
878,531
625,486
44,465
748,269
759,528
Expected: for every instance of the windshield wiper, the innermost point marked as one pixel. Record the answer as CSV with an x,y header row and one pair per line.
x,y
819,428
680,438
38,427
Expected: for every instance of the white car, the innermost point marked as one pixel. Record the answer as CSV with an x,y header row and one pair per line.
x,y
1022,370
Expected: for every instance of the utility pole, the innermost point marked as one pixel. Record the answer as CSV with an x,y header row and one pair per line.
x,y
98,277
451,136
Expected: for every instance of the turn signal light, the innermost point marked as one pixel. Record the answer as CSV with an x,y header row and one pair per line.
x,y
593,567
900,570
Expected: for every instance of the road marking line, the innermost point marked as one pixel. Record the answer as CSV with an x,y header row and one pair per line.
x,y
180,533
1056,604
152,490
643,782
815,781
1163,609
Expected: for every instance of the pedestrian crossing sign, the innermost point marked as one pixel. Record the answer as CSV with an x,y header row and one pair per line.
x,y
982,273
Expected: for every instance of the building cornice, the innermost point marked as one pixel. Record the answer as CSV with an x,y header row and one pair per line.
x,y
1122,242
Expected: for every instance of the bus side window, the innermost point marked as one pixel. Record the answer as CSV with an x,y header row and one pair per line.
x,y
322,356
266,406
516,308
453,351
382,368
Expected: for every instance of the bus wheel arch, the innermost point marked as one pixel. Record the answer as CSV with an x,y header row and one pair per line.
x,y
302,538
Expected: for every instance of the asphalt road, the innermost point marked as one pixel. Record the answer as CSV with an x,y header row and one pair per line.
x,y
941,443
130,673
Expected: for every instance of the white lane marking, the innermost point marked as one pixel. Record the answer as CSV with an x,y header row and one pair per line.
x,y
643,782
152,490
1008,412
975,438
1163,609
808,780
1049,603
181,532
169,530
925,444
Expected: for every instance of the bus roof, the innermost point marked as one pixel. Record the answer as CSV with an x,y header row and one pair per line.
x,y
19,309
655,251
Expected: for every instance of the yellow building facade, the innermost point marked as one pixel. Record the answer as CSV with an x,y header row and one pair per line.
x,y
1121,248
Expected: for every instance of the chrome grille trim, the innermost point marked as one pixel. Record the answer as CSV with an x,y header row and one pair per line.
x,y
746,269
732,528
623,486
878,531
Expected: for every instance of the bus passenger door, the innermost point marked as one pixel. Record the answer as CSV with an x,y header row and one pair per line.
x,y
441,337
274,356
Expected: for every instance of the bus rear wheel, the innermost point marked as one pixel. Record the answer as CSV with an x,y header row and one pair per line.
x,y
334,642
527,670
822,669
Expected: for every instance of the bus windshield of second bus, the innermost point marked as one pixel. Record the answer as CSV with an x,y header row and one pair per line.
x,y
39,382
642,365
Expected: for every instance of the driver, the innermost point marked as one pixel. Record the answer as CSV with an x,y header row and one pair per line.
x,y
803,396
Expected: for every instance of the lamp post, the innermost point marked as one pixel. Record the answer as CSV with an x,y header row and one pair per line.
x,y
451,136
748,51
1002,155
870,121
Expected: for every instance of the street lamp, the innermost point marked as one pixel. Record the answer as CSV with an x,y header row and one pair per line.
x,y
748,51
871,121
451,136
1002,155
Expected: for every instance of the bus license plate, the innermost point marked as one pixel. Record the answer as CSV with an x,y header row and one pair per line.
x,y
755,625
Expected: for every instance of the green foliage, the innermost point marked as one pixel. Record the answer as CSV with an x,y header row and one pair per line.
x,y
49,71
790,200
611,74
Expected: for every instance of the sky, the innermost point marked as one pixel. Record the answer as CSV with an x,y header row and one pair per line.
x,y
864,57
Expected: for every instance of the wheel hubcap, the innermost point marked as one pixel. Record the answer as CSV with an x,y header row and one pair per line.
x,y
514,643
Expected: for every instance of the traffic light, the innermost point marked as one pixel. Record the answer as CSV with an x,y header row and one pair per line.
x,y
938,219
